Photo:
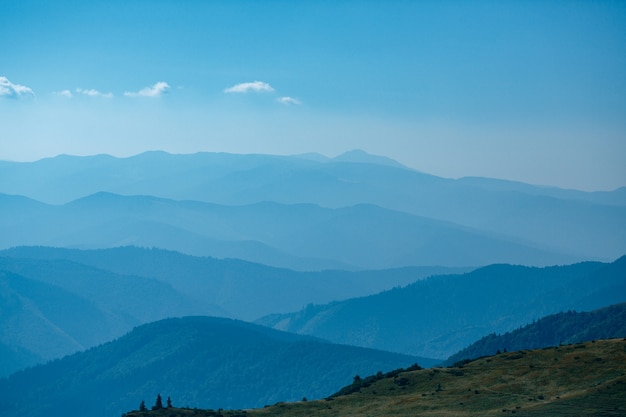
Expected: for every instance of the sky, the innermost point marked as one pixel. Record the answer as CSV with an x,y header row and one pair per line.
x,y
531,91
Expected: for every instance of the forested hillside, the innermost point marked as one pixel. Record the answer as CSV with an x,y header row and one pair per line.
x,y
441,315
554,330
199,362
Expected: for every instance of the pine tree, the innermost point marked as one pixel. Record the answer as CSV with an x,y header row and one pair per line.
x,y
159,403
142,406
169,402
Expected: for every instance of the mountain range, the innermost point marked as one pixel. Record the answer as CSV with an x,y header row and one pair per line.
x,y
441,315
301,236
58,301
124,264
304,212
221,363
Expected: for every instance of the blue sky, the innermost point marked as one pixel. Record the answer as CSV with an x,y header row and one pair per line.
x,y
532,91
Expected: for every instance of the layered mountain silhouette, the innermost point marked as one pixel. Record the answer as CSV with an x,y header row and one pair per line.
x,y
302,236
54,308
357,250
198,361
58,301
543,225
439,316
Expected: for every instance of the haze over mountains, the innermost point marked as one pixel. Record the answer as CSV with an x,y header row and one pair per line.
x,y
304,212
441,315
58,301
357,250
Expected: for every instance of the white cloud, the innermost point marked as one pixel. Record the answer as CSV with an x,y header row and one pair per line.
x,y
65,93
156,90
10,90
288,100
255,86
92,93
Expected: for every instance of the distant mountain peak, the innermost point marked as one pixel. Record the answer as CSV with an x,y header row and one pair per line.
x,y
360,156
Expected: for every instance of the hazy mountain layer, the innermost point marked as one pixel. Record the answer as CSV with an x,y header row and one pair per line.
x,y
198,361
234,287
441,315
554,330
54,308
587,225
58,301
301,235
39,321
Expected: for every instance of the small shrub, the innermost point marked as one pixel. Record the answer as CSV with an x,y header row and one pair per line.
x,y
514,357
401,382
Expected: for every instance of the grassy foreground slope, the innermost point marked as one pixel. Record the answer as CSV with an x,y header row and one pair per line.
x,y
586,379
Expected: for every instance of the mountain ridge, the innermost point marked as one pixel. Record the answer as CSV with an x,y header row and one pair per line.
x,y
287,235
204,361
582,224
444,314
125,287
585,379
568,327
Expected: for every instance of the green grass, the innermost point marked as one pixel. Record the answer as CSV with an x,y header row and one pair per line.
x,y
586,379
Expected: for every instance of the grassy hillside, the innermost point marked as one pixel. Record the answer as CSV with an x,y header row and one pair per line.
x,y
199,361
442,315
587,379
554,330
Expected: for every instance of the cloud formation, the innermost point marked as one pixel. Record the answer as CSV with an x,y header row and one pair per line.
x,y
10,90
93,93
156,90
288,101
255,86
65,93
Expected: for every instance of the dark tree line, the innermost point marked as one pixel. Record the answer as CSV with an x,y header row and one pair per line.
x,y
158,405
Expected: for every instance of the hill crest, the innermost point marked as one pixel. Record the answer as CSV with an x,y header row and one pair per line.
x,y
204,361
586,379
